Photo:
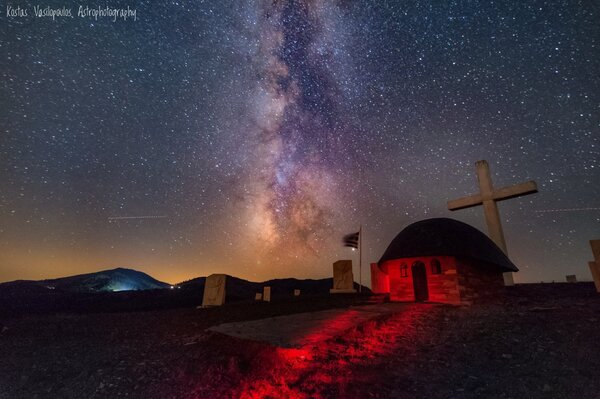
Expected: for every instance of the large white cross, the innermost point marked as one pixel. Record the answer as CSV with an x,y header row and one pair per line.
x,y
488,197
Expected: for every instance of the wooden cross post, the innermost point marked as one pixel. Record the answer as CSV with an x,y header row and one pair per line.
x,y
488,197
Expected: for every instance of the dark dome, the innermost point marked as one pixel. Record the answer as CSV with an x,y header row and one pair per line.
x,y
443,236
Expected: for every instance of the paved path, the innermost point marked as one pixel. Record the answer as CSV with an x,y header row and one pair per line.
x,y
306,329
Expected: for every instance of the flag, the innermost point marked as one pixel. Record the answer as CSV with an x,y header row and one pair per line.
x,y
351,240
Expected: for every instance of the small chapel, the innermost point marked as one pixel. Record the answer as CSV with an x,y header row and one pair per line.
x,y
441,260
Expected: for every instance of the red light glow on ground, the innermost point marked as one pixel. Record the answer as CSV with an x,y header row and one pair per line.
x,y
344,366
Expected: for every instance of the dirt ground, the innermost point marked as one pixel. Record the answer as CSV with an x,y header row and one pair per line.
x,y
541,341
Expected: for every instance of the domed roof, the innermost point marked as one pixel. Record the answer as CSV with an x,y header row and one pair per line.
x,y
443,236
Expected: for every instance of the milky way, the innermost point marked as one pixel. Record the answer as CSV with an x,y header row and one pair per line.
x,y
291,193
261,132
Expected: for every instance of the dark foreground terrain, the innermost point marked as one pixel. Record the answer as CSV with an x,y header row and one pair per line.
x,y
540,341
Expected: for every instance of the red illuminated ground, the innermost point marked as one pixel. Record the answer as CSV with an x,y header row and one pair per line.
x,y
542,342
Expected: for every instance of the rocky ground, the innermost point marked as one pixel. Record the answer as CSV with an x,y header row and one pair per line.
x,y
541,341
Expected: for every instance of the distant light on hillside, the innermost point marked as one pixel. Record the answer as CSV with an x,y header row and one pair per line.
x,y
122,287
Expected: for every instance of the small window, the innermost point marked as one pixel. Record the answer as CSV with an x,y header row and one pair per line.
x,y
436,267
404,270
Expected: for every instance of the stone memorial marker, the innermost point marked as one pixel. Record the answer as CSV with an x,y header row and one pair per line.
x,y
571,278
595,264
595,244
343,279
595,270
488,196
267,294
214,290
296,292
258,296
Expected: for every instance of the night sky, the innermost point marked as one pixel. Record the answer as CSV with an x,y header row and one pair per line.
x,y
257,134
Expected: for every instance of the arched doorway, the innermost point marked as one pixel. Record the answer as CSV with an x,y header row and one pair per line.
x,y
419,275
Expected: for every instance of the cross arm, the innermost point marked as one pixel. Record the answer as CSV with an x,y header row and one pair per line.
x,y
517,190
465,202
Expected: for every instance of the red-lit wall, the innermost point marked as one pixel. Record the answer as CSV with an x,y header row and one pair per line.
x,y
443,287
380,281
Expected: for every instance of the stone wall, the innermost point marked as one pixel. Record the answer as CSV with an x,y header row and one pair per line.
x,y
443,287
478,283
380,281
401,288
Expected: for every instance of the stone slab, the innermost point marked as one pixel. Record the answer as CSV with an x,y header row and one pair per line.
x,y
508,279
595,270
306,329
343,279
214,290
595,244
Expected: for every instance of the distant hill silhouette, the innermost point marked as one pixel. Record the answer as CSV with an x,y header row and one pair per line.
x,y
238,289
119,279
121,290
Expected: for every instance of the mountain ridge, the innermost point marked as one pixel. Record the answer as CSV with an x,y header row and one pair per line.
x,y
91,293
111,280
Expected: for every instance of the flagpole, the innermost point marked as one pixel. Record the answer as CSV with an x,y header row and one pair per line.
x,y
360,238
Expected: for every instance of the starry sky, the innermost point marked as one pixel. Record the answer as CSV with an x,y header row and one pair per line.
x,y
257,133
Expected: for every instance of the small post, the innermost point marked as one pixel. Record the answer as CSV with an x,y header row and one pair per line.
x,y
266,296
360,238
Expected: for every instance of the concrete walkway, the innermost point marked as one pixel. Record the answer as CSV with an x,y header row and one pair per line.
x,y
306,329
